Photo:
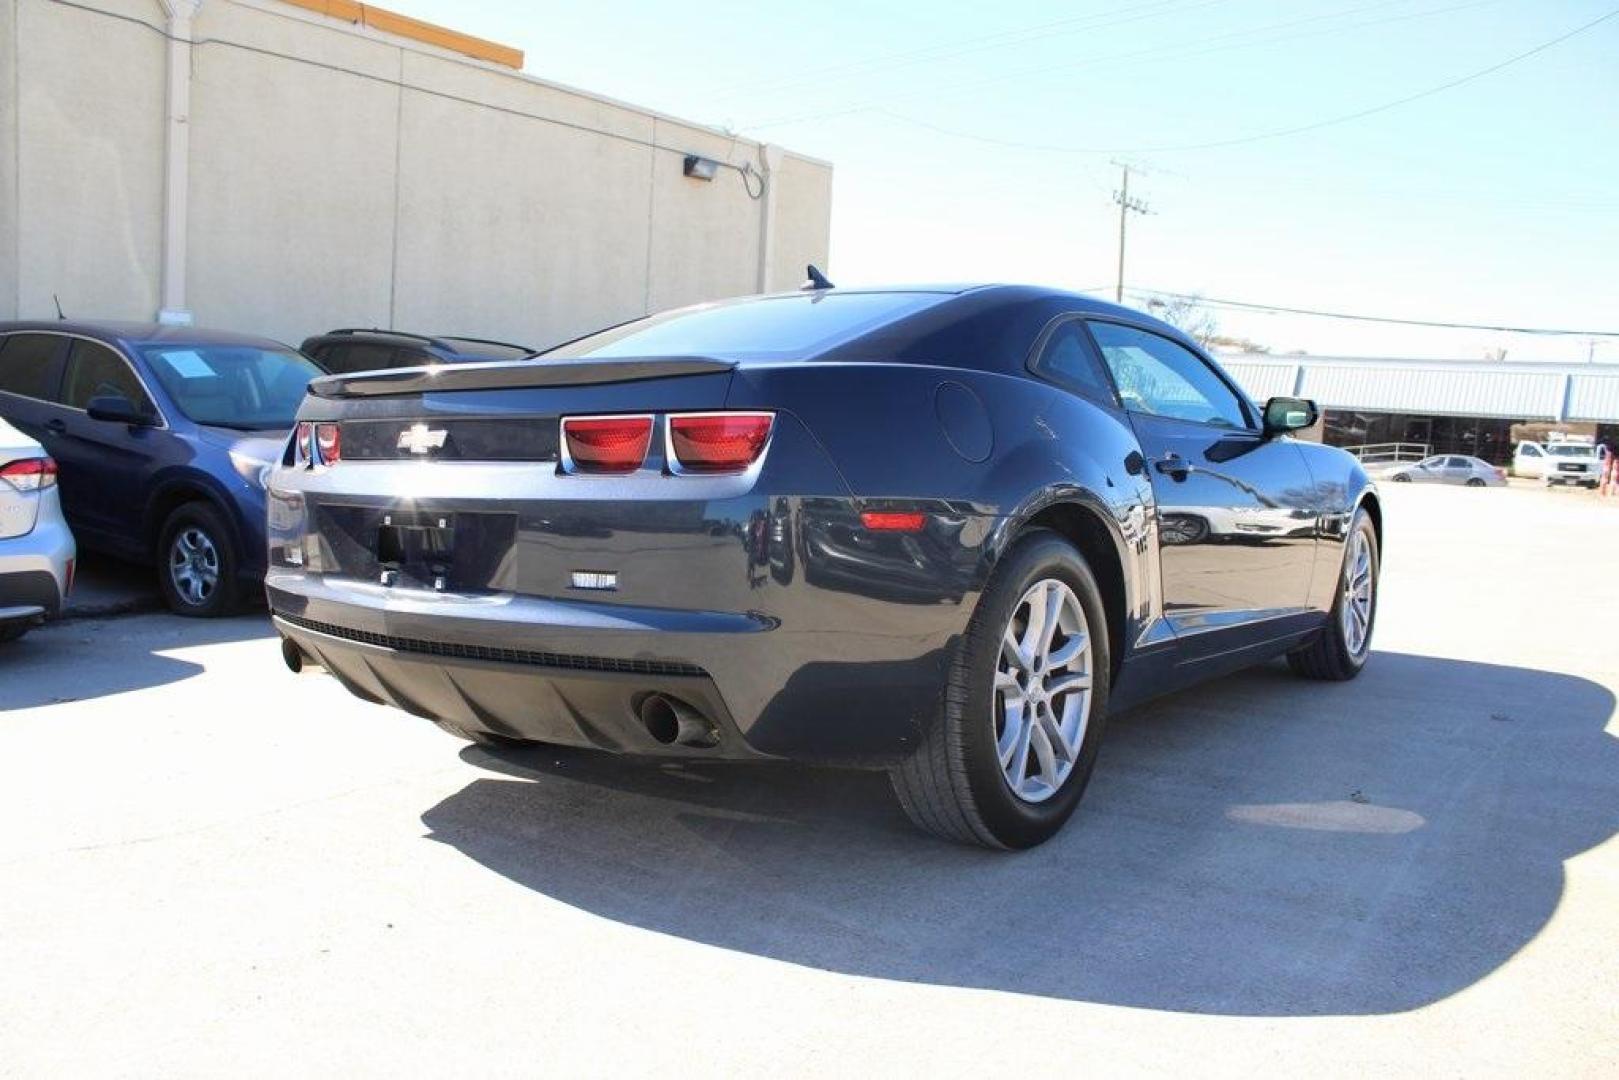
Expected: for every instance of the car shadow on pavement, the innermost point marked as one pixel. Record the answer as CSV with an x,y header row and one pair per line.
x,y
77,660
1258,846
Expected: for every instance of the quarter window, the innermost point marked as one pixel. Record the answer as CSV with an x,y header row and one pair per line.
x,y
1069,360
28,365
96,371
1157,376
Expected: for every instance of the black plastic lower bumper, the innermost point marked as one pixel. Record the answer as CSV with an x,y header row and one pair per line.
x,y
31,588
555,698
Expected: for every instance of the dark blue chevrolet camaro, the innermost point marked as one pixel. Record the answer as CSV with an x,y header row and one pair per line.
x,y
939,531
163,436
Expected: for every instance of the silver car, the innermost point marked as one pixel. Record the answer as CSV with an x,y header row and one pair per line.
x,y
36,547
1449,469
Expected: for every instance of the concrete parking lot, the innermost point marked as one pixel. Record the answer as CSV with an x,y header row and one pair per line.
x,y
211,866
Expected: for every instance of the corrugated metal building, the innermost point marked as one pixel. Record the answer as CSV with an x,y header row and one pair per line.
x,y
1461,406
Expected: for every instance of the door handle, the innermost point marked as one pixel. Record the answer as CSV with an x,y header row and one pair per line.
x,y
1174,466
56,427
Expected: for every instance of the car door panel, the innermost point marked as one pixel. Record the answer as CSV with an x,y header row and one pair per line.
x,y
104,465
1237,530
1237,522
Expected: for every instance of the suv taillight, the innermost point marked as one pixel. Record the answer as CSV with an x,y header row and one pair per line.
x,y
718,442
29,474
607,444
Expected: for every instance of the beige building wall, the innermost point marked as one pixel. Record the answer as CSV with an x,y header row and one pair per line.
x,y
338,176
86,158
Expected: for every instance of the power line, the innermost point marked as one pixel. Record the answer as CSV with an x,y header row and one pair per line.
x,y
1231,39
1278,309
1279,133
962,47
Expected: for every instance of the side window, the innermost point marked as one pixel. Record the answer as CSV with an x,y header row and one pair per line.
x,y
1457,462
96,371
28,365
1069,360
1157,376
1529,449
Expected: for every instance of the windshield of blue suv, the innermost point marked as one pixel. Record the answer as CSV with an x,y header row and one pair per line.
x,y
233,386
769,328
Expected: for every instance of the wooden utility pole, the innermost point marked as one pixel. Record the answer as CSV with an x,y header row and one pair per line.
x,y
1127,206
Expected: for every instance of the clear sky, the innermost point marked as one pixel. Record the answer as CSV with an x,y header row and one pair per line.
x,y
975,141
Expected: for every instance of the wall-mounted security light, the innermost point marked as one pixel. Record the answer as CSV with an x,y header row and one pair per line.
x,y
700,168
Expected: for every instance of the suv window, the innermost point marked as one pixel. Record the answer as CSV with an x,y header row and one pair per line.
x,y
1158,376
349,357
1529,449
96,371
1069,360
27,365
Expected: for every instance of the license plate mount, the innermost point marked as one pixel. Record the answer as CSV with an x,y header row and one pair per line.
x,y
416,547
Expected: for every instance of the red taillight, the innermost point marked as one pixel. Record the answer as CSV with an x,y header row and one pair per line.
x,y
893,521
1500,473
301,435
607,444
718,442
329,443
29,474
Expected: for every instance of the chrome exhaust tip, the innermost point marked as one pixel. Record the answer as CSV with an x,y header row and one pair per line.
x,y
672,722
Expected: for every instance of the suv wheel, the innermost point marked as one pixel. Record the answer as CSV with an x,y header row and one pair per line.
x,y
1006,761
197,562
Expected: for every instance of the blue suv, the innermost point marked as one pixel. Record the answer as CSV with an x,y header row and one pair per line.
x,y
164,436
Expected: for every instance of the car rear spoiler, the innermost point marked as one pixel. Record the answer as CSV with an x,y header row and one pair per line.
x,y
513,374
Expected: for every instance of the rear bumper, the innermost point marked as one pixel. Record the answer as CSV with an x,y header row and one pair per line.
x,y
35,571
548,698
576,673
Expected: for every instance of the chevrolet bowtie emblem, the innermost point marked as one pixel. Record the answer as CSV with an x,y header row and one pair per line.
x,y
419,439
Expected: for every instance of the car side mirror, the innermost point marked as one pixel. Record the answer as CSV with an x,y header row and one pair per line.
x,y
1285,414
116,410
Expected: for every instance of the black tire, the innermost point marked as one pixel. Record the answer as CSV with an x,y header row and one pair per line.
x,y
1401,478
953,785
1327,656
11,631
218,545
1475,482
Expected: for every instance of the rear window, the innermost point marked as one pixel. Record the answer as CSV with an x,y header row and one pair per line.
x,y
773,328
491,350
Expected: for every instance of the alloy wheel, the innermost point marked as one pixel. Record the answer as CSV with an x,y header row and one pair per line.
x,y
1358,594
194,565
1042,698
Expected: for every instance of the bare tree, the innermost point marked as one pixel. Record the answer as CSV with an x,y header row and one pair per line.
x,y
1188,315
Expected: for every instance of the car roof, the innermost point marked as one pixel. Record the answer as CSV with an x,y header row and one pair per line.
x,y
988,289
116,332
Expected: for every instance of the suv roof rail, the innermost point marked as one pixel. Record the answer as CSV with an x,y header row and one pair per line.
x,y
436,342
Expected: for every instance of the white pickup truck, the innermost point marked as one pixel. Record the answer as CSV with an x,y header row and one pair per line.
x,y
1561,461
